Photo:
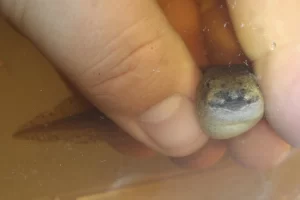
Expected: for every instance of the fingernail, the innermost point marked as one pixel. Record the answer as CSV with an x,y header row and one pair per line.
x,y
173,125
279,77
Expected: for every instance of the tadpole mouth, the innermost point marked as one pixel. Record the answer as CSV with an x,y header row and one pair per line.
x,y
236,111
232,105
231,100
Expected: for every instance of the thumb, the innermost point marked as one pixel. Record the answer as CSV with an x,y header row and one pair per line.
x,y
125,57
270,35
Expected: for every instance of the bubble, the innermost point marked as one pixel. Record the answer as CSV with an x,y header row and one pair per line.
x,y
242,25
233,5
68,146
225,24
273,46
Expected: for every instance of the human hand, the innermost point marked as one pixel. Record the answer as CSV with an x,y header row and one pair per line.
x,y
137,64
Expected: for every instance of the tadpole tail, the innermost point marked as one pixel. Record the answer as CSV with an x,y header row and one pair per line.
x,y
88,127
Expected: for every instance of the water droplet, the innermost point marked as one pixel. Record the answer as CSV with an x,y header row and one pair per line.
x,y
205,29
68,146
156,70
233,5
273,46
225,24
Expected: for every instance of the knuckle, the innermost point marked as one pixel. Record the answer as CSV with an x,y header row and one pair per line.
x,y
126,72
14,11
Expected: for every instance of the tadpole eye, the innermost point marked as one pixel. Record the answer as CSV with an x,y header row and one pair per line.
x,y
242,91
207,84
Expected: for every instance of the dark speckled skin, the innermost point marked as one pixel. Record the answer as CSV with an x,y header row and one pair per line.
x,y
229,101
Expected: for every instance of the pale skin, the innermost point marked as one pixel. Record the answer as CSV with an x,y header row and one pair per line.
x,y
148,57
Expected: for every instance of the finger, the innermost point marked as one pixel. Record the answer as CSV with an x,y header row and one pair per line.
x,y
259,148
188,27
190,32
229,44
269,35
126,145
219,31
135,68
204,158
220,41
